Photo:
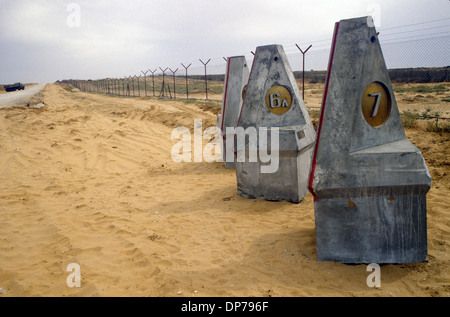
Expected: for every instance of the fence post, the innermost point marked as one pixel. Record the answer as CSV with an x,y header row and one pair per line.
x,y
139,88
153,80
145,82
132,85
303,84
163,89
173,74
187,84
206,77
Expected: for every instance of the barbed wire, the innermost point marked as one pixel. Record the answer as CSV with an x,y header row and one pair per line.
x,y
429,49
414,24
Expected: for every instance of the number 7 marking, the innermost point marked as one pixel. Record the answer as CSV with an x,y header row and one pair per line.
x,y
377,102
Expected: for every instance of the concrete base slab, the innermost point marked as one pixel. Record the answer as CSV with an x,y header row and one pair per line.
x,y
384,225
278,186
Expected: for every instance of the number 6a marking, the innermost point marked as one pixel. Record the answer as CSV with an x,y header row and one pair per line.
x,y
377,102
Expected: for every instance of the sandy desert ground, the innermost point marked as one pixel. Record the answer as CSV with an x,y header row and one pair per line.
x,y
89,179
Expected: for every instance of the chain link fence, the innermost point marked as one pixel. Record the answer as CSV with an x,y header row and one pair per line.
x,y
416,55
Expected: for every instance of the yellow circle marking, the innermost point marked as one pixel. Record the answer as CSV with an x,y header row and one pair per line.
x,y
278,100
376,104
244,91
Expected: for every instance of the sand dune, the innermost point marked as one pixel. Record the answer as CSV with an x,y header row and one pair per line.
x,y
89,179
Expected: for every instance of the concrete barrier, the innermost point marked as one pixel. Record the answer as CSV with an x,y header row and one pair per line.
x,y
274,111
369,182
236,79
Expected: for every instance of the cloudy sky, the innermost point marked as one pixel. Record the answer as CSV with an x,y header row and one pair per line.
x,y
49,40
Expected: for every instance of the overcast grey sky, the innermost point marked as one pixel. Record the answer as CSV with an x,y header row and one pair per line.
x,y
49,40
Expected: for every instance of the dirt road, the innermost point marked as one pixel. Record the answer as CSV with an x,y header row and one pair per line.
x,y
19,97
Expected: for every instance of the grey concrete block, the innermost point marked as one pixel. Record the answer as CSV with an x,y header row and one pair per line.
x,y
273,100
236,78
369,181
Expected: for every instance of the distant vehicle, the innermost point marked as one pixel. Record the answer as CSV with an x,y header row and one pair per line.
x,y
14,87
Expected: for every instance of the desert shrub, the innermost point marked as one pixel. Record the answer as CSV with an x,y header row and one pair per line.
x,y
409,119
426,113
423,89
440,88
445,127
437,126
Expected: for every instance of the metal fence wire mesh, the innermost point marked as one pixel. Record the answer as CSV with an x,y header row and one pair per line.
x,y
417,56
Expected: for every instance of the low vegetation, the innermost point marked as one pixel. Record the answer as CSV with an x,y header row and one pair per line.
x,y
422,89
409,119
427,120
437,126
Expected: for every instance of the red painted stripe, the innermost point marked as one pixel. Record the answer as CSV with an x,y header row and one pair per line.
x,y
225,97
322,111
243,101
